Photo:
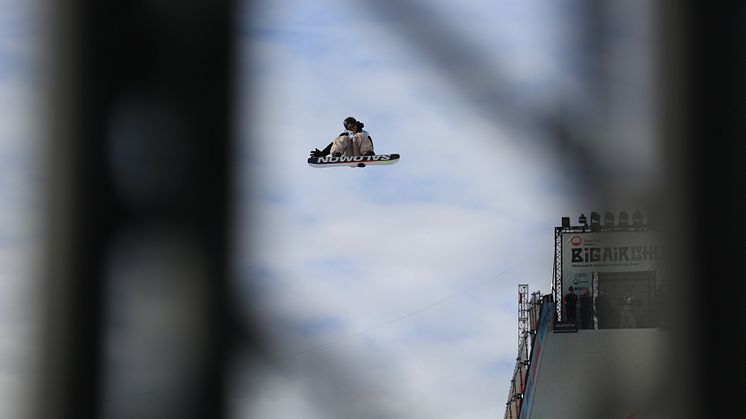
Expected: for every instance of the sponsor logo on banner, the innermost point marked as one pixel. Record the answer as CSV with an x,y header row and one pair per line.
x,y
565,327
617,254
584,254
611,252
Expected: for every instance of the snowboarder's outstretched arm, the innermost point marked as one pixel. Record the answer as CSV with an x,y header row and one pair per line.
x,y
321,153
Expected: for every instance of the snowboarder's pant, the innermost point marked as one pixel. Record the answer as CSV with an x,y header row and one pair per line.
x,y
357,145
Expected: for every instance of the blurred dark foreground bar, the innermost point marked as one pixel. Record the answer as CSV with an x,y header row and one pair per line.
x,y
703,120
135,311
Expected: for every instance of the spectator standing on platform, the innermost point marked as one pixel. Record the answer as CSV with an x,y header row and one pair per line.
x,y
586,309
571,306
628,319
608,317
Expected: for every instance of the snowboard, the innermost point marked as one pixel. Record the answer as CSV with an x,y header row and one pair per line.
x,y
354,161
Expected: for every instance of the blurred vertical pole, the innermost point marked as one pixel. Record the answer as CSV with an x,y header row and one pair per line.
x,y
703,80
139,145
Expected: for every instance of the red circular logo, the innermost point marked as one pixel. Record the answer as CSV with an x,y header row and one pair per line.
x,y
576,240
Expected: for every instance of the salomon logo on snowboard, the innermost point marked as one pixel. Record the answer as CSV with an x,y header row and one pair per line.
x,y
353,161
330,159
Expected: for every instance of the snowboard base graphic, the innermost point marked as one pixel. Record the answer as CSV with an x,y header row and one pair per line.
x,y
354,161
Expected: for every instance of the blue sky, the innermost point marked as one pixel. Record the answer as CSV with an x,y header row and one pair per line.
x,y
403,278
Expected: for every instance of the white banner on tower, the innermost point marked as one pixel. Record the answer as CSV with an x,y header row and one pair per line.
x,y
614,251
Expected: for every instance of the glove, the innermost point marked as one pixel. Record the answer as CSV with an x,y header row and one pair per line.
x,y
369,153
317,153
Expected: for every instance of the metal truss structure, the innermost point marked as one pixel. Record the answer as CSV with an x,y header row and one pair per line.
x,y
557,275
522,311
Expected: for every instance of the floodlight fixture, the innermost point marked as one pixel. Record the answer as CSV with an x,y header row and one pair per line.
x,y
623,219
637,218
595,221
583,220
609,219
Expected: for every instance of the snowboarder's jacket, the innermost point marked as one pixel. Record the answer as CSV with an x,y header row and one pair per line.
x,y
353,144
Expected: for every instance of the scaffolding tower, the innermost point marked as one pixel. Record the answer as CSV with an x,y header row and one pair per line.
x,y
522,312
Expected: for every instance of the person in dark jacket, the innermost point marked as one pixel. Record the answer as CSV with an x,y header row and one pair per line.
x,y
571,305
608,315
586,309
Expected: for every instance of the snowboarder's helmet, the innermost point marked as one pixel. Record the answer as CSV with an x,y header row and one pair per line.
x,y
350,123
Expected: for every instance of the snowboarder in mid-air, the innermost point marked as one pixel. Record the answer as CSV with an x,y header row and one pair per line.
x,y
353,148
354,141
